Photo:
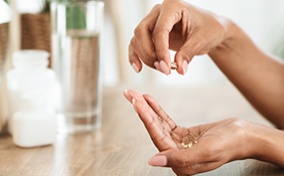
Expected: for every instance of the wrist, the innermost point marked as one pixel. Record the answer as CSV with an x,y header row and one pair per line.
x,y
245,136
266,144
232,34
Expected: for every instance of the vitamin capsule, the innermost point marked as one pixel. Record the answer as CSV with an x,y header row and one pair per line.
x,y
188,145
173,65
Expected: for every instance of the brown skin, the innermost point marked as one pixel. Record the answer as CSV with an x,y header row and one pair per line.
x,y
243,139
192,31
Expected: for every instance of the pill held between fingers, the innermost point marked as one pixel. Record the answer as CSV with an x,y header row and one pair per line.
x,y
173,65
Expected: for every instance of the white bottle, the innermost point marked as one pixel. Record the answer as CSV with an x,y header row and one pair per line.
x,y
32,92
33,128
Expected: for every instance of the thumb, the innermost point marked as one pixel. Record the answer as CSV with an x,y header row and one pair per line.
x,y
158,160
184,162
166,158
185,54
182,58
177,158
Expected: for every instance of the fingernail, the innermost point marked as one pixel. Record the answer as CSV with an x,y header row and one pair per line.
x,y
133,101
134,66
184,66
158,160
126,94
164,67
157,66
134,104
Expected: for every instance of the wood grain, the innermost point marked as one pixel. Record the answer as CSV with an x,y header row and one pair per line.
x,y
122,146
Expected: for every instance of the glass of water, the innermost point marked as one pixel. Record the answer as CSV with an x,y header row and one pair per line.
x,y
76,59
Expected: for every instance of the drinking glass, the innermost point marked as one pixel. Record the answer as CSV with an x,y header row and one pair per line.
x,y
76,59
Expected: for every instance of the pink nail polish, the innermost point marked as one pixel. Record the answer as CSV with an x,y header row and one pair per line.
x,y
184,66
134,105
157,66
133,101
158,160
134,66
164,67
127,96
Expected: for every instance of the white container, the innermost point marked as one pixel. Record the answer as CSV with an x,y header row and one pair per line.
x,y
33,128
33,94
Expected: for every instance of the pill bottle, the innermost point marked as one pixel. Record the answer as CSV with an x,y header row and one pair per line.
x,y
33,96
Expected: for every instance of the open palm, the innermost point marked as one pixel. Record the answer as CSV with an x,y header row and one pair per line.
x,y
190,150
162,129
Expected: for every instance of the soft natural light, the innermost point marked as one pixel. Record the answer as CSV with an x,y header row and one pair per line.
x,y
261,19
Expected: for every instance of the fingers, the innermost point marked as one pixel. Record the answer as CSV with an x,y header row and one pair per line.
x,y
133,57
184,55
155,108
141,45
131,94
159,110
168,17
175,25
151,40
158,129
159,135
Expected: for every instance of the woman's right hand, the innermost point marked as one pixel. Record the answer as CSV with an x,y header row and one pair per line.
x,y
179,26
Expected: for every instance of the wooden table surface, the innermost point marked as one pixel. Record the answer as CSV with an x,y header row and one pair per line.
x,y
122,146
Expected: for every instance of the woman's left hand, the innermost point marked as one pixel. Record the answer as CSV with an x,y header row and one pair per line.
x,y
191,150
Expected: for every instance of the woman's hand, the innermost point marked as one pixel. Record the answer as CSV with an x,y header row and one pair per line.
x,y
191,31
178,26
189,150
205,147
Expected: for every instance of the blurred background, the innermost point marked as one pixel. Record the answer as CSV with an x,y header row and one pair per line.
x,y
261,19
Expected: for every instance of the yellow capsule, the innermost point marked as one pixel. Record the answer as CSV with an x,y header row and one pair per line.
x,y
173,65
190,144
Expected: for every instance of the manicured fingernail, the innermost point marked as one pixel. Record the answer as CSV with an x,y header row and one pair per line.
x,y
164,67
184,66
126,94
134,66
158,160
134,104
157,66
133,101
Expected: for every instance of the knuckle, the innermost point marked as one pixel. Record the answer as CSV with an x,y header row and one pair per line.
x,y
151,53
186,54
157,7
236,120
158,31
133,42
138,30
